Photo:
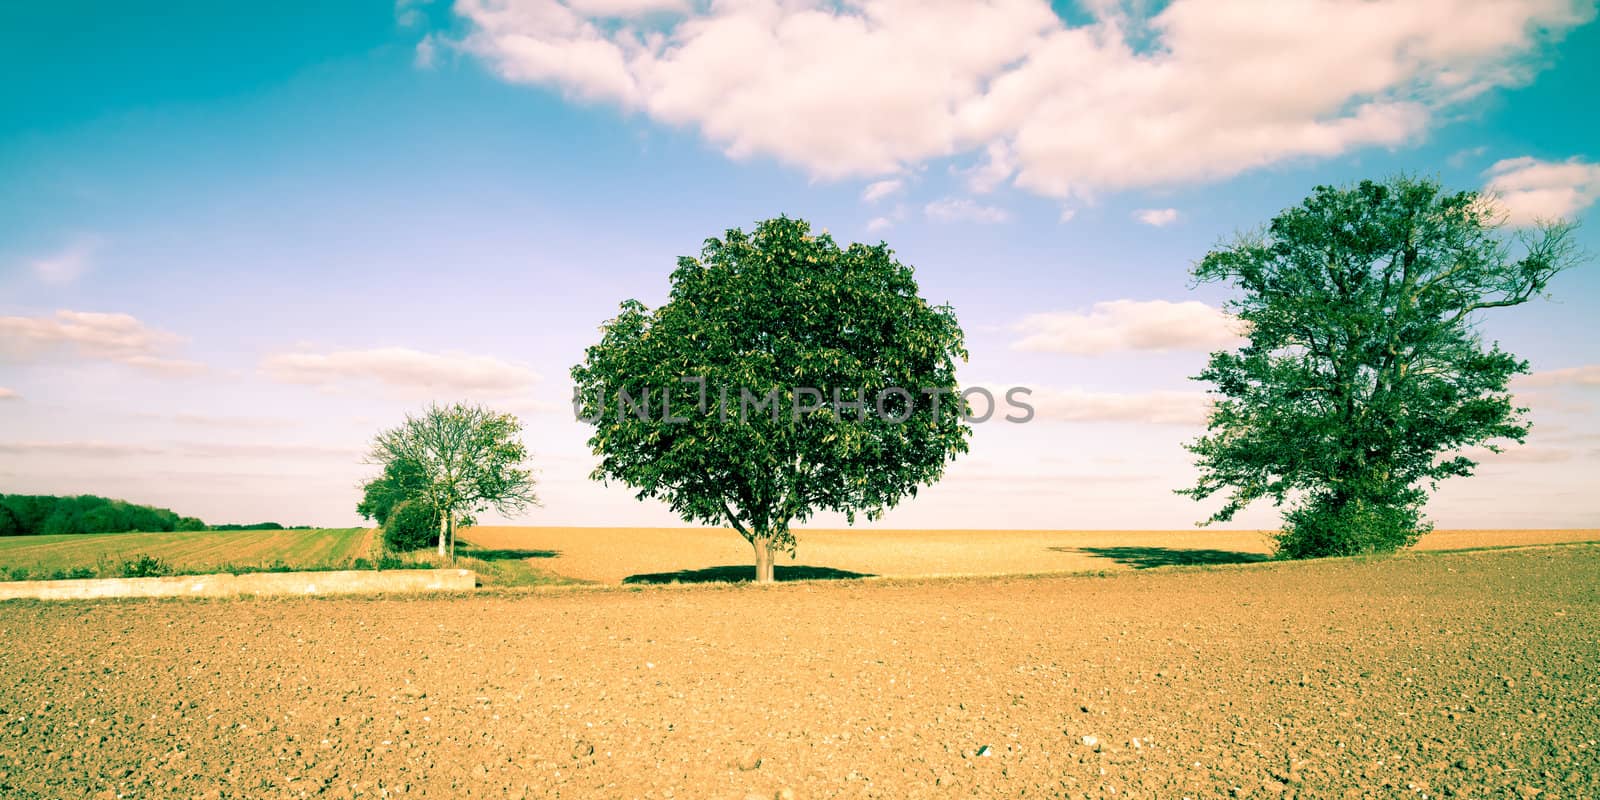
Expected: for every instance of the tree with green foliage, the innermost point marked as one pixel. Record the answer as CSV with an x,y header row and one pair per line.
x,y
27,515
717,402
471,461
410,525
1364,377
10,524
402,479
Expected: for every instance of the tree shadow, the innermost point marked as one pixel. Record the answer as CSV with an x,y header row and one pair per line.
x,y
744,574
1147,557
508,555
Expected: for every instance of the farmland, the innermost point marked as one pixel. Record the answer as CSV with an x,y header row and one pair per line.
x,y
530,556
612,555
1437,674
103,554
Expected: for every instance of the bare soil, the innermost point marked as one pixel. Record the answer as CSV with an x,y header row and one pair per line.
x,y
612,555
1455,674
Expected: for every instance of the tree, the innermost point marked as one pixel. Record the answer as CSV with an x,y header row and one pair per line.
x,y
10,524
717,401
471,460
402,479
1364,377
410,526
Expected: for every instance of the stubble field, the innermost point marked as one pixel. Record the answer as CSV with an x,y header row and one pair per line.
x,y
652,555
1424,675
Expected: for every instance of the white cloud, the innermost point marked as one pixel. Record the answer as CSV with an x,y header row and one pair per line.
x,y
101,449
627,8
90,336
1162,408
1068,213
953,209
1570,376
878,224
1462,156
9,394
402,368
880,189
998,166
219,421
67,264
1514,453
93,449
1124,325
1156,217
1203,89
425,53
1530,190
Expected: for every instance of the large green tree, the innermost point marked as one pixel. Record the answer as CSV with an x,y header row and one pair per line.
x,y
471,460
721,402
1364,377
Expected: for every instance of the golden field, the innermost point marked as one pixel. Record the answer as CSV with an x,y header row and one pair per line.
x,y
612,555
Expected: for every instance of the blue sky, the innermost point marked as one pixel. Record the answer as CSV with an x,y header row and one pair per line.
x,y
232,247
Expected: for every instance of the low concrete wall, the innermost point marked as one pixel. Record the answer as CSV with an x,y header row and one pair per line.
x,y
263,583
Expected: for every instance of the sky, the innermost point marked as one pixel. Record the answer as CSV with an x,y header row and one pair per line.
x,y
234,246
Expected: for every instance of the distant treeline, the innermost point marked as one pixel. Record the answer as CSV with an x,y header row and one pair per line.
x,y
34,515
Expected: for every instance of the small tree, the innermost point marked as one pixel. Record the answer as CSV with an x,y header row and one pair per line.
x,y
402,479
471,460
1364,377
795,325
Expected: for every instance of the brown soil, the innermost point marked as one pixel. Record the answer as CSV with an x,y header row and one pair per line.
x,y
1461,674
611,555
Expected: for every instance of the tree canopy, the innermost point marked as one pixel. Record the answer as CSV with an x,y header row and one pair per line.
x,y
1364,376
402,479
28,515
733,402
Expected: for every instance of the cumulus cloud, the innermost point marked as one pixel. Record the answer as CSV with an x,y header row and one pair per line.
x,y
998,166
90,336
962,209
880,189
1162,408
1200,89
1570,376
1128,325
1530,190
1156,217
402,368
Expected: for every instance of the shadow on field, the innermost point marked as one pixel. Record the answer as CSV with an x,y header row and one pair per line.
x,y
1147,557
744,574
508,555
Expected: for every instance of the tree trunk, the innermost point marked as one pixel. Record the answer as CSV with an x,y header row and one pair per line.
x,y
764,568
444,527
452,518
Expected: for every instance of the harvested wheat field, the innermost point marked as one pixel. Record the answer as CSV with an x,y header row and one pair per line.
x,y
1423,675
659,555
